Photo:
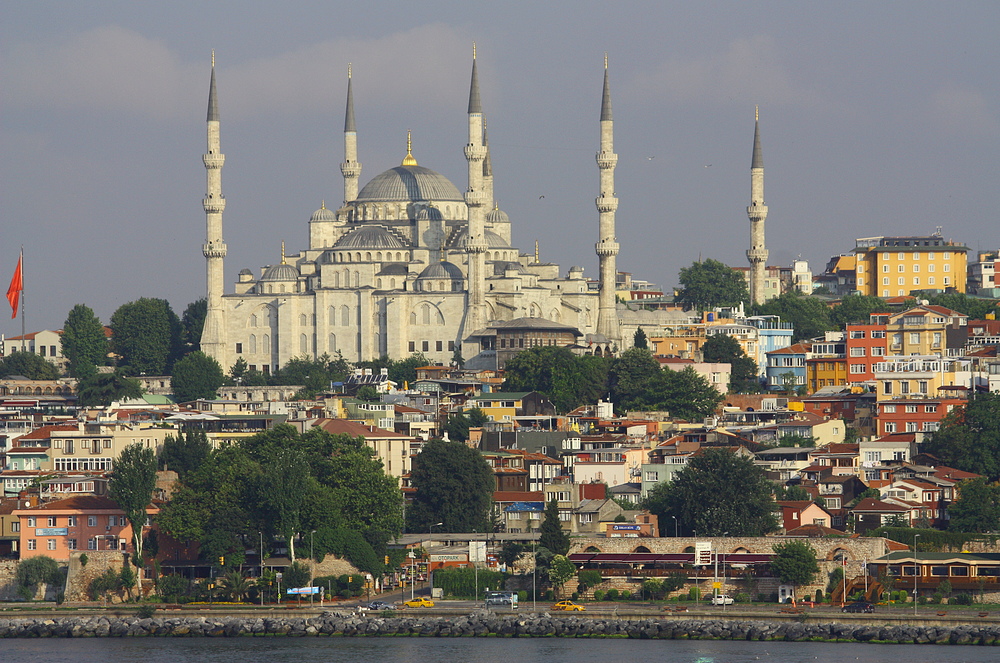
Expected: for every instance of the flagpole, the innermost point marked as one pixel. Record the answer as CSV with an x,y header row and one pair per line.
x,y
21,261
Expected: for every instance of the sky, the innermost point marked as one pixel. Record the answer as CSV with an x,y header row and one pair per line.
x,y
876,118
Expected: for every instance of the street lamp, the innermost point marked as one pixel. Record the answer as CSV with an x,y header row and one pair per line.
x,y
260,578
675,526
312,562
915,567
534,575
430,528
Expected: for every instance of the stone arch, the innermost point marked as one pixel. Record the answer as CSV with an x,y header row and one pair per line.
x,y
357,256
740,550
641,549
592,549
689,549
839,554
368,256
378,256
38,391
554,315
48,391
440,317
281,287
378,284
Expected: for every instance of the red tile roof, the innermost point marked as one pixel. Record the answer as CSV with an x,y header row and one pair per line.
x,y
354,429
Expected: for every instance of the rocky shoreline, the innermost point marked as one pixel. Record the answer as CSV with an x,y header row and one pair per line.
x,y
490,625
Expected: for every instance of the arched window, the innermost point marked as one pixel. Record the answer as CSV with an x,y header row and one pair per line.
x,y
368,256
267,344
336,279
302,320
379,284
413,317
425,312
333,342
357,280
303,343
253,344
333,315
378,256
345,316
641,549
399,256
281,288
440,318
357,257
253,320
392,283
592,549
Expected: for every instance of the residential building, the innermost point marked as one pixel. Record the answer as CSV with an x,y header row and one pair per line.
x,y
984,274
505,407
717,375
45,343
925,330
865,345
840,276
395,450
914,415
923,377
893,266
81,523
786,368
796,513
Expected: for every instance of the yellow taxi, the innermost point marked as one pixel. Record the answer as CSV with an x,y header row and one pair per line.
x,y
419,603
569,606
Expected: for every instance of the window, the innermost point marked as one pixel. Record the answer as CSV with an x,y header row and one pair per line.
x,y
904,386
911,409
31,521
565,516
878,333
439,345
51,521
901,268
91,521
890,427
911,427
92,544
112,521
914,338
239,348
425,346
878,352
71,544
889,409
71,521
32,544
922,386
930,268
856,333
15,526
916,269
413,346
50,544
585,518
916,280
885,268
857,368
947,268
887,387
930,279
930,408
901,280
857,352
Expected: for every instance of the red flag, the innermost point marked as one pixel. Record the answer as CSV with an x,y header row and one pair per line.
x,y
16,286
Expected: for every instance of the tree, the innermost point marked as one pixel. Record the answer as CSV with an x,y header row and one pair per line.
x,y
630,377
710,284
131,487
285,491
977,508
454,486
146,335
192,323
684,394
716,492
34,571
856,309
28,364
83,339
639,339
974,307
196,376
368,393
794,494
184,453
510,553
561,570
809,316
725,349
566,379
553,537
969,437
315,375
94,389
795,562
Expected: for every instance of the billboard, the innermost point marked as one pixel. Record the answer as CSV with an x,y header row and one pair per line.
x,y
703,553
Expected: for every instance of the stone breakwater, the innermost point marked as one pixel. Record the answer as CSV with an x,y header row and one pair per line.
x,y
488,625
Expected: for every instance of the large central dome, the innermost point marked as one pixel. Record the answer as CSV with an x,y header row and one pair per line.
x,y
409,184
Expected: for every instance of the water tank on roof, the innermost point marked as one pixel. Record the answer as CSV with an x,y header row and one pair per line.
x,y
711,317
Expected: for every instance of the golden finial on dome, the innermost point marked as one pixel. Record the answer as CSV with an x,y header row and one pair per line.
x,y
756,113
348,69
213,58
322,205
283,253
473,50
536,251
408,160
605,59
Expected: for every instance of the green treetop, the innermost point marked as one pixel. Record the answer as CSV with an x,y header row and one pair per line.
x,y
146,335
83,339
709,284
454,486
553,537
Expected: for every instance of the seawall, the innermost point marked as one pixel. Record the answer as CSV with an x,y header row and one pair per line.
x,y
493,625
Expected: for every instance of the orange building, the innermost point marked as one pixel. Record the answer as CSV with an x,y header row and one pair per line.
x,y
82,523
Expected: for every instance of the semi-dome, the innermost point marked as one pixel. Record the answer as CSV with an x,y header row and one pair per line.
x,y
409,184
370,237
282,272
441,270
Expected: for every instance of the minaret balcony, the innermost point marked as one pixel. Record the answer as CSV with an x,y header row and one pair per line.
x,y
350,169
606,160
214,249
213,205
476,198
757,255
757,212
607,247
213,161
475,152
606,204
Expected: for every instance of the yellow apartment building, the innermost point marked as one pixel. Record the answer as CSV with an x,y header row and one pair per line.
x,y
825,372
894,266
925,330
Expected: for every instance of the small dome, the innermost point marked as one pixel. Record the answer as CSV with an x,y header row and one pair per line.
x,y
370,237
246,272
409,184
500,266
322,214
282,272
441,270
497,215
493,240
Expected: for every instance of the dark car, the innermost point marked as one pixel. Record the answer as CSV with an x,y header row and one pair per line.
x,y
859,606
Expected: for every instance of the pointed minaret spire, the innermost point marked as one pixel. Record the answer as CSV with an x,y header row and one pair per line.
x,y
757,213
476,198
214,249
350,168
607,203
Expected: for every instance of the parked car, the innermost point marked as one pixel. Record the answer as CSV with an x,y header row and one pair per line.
x,y
421,602
859,606
568,606
721,599
381,605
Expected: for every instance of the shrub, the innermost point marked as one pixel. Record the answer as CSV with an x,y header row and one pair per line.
x,y
652,588
936,598
145,611
626,595
296,575
598,594
589,578
694,593
84,559
34,571
612,595
961,599
522,596
575,596
944,587
922,600
742,597
109,581
172,587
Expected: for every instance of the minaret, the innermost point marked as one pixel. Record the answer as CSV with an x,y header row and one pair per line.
x,y
213,334
476,200
488,168
350,168
757,212
607,246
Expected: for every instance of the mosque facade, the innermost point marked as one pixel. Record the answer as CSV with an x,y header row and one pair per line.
x,y
408,263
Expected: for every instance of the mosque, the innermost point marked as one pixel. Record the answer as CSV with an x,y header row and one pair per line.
x,y
408,263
